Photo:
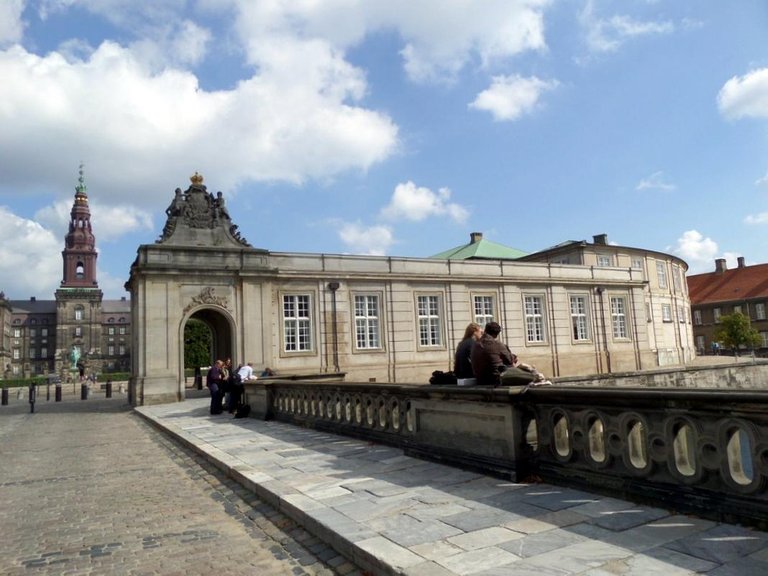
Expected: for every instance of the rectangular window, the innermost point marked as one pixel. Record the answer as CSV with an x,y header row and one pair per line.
x,y
700,344
111,330
760,311
716,313
604,260
297,323
110,350
619,317
122,330
78,330
661,274
121,349
32,333
737,309
680,314
534,319
697,317
429,320
16,354
44,332
676,279
666,313
764,339
17,332
43,352
637,263
579,323
78,313
367,322
32,353
483,309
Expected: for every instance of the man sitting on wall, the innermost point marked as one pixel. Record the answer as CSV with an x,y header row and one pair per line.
x,y
494,364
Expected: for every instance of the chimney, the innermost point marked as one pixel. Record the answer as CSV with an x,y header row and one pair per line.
x,y
741,261
720,265
475,237
600,239
33,299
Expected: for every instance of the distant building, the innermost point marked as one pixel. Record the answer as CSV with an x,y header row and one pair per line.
x,y
79,331
714,294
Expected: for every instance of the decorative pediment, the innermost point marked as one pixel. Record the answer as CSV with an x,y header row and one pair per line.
x,y
207,296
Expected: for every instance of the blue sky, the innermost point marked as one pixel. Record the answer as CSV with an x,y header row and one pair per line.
x,y
393,127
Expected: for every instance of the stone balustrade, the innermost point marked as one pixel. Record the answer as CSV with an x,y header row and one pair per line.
x,y
700,451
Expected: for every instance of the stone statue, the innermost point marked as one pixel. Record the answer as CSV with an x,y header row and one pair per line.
x,y
74,356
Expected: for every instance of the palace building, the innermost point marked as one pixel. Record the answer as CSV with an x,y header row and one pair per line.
x,y
77,332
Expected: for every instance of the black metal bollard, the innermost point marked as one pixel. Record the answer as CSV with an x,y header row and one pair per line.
x,y
58,393
32,398
83,391
109,388
48,392
5,397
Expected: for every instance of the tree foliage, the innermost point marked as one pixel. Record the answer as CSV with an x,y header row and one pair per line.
x,y
198,342
735,331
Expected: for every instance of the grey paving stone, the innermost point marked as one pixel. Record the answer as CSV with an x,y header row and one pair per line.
x,y
541,542
721,543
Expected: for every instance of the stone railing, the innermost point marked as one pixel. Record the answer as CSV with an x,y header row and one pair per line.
x,y
700,451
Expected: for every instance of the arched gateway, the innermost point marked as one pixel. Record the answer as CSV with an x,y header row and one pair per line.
x,y
194,270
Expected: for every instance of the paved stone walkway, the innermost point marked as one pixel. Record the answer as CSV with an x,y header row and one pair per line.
x,y
393,514
88,487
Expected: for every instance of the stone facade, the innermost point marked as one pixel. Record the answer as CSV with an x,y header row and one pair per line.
x,y
386,319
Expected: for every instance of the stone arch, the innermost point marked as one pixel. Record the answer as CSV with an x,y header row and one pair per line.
x,y
222,327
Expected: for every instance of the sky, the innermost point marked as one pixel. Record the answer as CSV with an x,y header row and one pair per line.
x,y
386,127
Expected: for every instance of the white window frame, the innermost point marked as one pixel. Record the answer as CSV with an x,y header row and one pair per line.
x,y
678,287
737,309
604,260
111,330
619,324
43,332
110,350
697,317
760,311
681,314
429,320
716,313
764,337
661,274
366,308
580,327
17,332
637,263
666,313
78,331
121,330
79,313
16,354
534,307
121,349
483,306
297,325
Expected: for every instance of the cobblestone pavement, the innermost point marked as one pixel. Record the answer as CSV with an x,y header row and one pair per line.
x,y
87,487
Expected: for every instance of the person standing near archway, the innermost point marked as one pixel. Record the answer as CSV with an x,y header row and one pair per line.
x,y
214,381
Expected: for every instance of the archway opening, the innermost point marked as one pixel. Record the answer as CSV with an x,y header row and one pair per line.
x,y
207,338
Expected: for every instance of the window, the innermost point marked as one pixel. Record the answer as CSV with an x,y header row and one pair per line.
x,y
79,313
534,319
44,332
579,323
297,323
43,352
78,330
110,350
429,320
637,263
16,354
32,332
121,349
122,330
697,317
17,332
676,279
760,311
121,319
700,344
737,309
111,330
80,271
32,353
666,313
680,314
604,260
111,320
619,317
716,312
33,321
367,321
483,309
661,274
764,339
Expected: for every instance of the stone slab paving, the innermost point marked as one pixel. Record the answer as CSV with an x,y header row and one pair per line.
x,y
89,487
393,514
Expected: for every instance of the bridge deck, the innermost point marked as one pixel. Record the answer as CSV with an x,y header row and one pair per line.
x,y
394,514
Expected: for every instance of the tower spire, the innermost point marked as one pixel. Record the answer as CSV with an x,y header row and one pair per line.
x,y
80,244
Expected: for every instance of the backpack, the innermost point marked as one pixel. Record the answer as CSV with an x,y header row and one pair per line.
x,y
440,378
243,411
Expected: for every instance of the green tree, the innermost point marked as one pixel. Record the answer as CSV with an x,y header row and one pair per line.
x,y
197,344
735,331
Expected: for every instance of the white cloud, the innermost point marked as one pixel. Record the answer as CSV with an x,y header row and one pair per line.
x,y
608,34
762,182
757,219
111,222
745,96
655,182
30,257
11,24
374,240
418,203
143,130
699,252
509,97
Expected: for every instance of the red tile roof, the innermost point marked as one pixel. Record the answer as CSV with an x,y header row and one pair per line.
x,y
737,284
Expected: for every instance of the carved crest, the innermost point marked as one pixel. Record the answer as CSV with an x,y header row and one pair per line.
x,y
207,296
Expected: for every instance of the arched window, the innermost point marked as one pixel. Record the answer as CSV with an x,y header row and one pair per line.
x,y
79,312
80,270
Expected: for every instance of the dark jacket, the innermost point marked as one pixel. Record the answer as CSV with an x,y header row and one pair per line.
x,y
214,376
489,359
462,364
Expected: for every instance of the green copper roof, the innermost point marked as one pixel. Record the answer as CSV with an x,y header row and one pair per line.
x,y
478,248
